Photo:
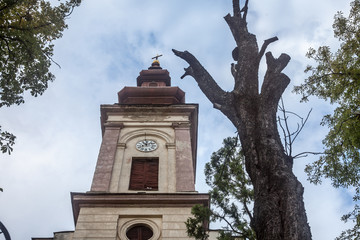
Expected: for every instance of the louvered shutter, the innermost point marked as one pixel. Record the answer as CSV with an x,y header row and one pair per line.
x,y
152,173
137,175
144,174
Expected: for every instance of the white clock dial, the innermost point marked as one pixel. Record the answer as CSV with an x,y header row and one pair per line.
x,y
146,145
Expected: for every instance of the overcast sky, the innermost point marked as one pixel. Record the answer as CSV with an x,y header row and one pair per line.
x,y
106,46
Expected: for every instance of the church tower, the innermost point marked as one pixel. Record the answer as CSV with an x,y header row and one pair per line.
x,y
144,182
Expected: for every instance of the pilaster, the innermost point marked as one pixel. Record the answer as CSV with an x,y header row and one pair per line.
x,y
106,158
185,178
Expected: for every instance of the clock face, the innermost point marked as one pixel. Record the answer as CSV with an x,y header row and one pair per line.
x,y
146,145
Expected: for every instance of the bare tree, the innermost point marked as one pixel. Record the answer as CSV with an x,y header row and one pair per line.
x,y
279,211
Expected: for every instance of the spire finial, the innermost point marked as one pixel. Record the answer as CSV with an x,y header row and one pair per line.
x,y
156,57
155,64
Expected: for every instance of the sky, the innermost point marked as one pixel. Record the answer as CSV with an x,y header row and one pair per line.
x,y
106,46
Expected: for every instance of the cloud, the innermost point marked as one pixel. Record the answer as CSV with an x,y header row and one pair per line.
x,y
106,46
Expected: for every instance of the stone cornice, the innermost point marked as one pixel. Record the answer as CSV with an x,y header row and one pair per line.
x,y
181,125
113,125
190,109
104,200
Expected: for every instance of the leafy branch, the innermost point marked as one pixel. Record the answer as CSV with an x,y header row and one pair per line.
x,y
7,140
231,195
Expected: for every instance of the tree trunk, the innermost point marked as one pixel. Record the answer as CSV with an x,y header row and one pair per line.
x,y
279,211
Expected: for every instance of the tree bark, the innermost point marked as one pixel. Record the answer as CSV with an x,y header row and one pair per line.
x,y
279,211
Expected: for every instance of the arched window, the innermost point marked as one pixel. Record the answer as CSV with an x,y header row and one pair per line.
x,y
139,229
139,232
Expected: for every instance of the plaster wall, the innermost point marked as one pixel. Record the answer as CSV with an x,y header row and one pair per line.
x,y
108,223
126,151
173,151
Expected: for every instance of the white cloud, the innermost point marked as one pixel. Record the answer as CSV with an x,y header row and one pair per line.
x,y
105,47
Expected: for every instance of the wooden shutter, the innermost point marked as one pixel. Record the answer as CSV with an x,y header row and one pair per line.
x,y
144,174
152,173
137,174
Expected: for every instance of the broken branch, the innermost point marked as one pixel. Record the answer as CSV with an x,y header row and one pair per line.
x,y
206,83
265,45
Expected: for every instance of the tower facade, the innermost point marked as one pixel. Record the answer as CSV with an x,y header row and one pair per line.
x,y
144,182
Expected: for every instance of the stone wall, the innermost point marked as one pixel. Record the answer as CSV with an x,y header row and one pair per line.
x,y
112,223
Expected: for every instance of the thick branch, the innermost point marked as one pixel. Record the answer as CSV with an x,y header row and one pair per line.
x,y
238,27
237,11
245,71
237,23
277,64
236,7
275,82
206,83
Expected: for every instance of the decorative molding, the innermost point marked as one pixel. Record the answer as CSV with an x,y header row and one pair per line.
x,y
139,221
121,145
118,125
181,125
170,145
149,133
95,200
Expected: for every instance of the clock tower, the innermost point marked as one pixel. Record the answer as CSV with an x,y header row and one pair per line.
x,y
144,182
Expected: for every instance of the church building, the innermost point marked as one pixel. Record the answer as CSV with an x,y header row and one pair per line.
x,y
144,182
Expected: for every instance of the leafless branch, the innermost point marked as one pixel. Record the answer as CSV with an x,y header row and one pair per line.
x,y
188,72
284,135
206,83
51,59
265,45
303,122
288,136
245,9
305,154
236,8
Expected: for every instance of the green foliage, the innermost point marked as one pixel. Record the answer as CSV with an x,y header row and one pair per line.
x,y
354,232
7,140
196,226
27,31
231,195
336,78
